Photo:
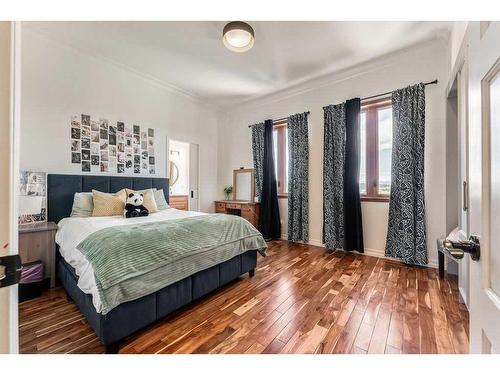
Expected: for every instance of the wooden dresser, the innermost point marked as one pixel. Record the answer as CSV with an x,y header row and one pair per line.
x,y
178,201
247,210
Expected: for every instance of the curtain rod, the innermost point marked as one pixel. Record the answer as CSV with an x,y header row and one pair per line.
x,y
280,119
390,92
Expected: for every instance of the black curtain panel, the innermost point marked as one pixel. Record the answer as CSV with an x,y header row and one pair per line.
x,y
353,225
269,218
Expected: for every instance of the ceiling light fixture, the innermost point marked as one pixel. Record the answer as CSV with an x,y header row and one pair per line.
x,y
238,36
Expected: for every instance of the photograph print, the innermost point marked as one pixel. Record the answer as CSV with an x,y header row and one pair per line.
x,y
85,120
104,166
120,126
76,158
104,133
75,133
151,160
86,155
137,168
112,139
75,123
94,136
137,129
104,156
94,126
94,159
103,123
120,168
151,132
75,145
85,132
86,143
94,148
85,166
104,144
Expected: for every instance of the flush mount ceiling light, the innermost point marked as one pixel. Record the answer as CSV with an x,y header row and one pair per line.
x,y
238,36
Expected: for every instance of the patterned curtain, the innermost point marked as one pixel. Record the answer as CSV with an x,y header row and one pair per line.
x,y
298,178
406,233
258,155
333,176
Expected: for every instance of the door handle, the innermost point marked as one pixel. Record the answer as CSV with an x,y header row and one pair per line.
x,y
457,249
11,265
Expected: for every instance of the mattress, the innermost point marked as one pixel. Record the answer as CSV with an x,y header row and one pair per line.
x,y
73,230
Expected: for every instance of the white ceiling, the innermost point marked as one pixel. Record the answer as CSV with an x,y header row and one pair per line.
x,y
191,57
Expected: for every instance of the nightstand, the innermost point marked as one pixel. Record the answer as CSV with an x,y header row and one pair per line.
x,y
37,242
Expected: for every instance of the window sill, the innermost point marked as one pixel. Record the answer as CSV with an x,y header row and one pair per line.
x,y
381,198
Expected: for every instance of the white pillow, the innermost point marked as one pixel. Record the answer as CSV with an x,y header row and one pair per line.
x,y
161,203
83,205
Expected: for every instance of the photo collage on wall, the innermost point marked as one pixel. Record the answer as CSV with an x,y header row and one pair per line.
x,y
102,146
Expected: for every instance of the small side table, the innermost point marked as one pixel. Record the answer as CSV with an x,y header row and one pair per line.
x,y
442,255
37,242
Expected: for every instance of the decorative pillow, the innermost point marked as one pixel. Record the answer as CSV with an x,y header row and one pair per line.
x,y
149,198
160,200
106,204
83,205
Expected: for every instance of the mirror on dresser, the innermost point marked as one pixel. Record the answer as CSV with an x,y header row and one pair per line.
x,y
243,203
244,184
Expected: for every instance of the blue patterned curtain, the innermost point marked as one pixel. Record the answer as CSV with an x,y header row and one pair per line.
x,y
333,175
258,155
406,234
298,178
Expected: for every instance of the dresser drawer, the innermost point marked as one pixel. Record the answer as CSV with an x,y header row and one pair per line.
x,y
233,206
220,207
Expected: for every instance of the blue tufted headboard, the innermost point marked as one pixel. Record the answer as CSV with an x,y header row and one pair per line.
x,y
61,189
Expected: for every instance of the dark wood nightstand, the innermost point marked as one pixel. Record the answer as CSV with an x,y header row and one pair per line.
x,y
37,242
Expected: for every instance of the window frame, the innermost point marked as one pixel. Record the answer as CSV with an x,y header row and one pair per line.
x,y
281,126
371,108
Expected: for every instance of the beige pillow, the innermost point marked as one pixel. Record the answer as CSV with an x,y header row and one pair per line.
x,y
149,198
106,204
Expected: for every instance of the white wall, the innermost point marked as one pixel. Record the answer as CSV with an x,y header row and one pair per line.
x,y
422,63
60,81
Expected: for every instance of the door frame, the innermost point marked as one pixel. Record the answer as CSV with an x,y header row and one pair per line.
x,y
15,129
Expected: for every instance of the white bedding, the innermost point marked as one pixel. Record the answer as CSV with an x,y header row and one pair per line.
x,y
73,230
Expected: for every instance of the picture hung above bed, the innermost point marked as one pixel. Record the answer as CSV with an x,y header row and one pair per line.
x,y
109,147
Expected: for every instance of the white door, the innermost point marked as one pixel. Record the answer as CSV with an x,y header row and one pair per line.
x,y
484,180
9,129
194,199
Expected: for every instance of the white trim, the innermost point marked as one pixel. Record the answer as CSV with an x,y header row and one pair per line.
x,y
377,253
15,128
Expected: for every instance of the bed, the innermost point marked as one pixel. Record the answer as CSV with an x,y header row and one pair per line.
x,y
179,280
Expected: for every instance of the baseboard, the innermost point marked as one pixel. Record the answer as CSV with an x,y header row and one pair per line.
x,y
370,252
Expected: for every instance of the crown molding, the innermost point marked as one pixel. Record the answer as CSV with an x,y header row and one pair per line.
x,y
98,57
335,77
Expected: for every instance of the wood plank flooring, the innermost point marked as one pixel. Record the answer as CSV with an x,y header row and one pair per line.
x,y
302,299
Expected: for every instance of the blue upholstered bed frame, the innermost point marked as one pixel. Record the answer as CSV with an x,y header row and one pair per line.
x,y
132,316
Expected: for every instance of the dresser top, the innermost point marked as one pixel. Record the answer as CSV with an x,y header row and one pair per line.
x,y
37,227
236,202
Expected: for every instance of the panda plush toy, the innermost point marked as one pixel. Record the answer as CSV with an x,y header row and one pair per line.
x,y
134,206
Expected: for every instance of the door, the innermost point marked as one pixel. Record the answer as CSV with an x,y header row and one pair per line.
x,y
484,181
194,199
9,127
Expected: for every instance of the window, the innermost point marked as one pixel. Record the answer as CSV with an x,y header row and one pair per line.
x,y
280,144
376,150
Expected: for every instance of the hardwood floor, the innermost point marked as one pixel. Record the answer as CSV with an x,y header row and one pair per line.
x,y
302,299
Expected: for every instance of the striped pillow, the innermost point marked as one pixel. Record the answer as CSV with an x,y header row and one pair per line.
x,y
106,204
